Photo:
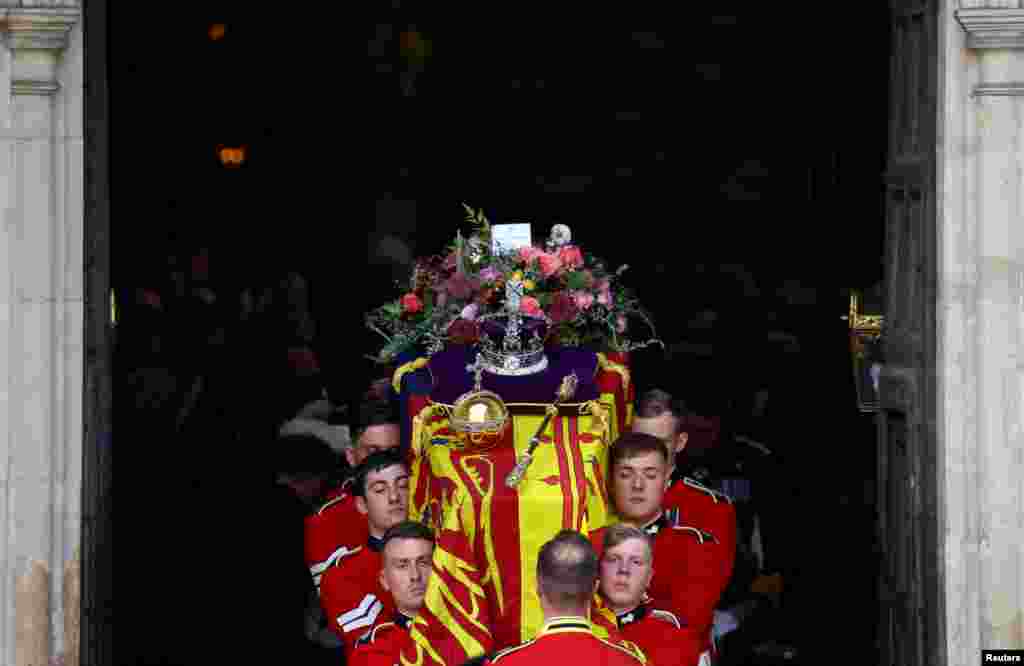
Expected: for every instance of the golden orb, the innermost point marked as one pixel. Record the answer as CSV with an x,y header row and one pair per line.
x,y
479,418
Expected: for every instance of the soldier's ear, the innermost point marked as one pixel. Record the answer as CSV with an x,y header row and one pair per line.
x,y
361,505
681,440
383,580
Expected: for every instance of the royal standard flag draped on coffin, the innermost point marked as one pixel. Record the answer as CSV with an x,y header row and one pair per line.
x,y
481,595
484,345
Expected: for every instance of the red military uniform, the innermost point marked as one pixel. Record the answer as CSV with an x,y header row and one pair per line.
x,y
336,530
663,637
699,506
687,577
383,645
569,640
351,594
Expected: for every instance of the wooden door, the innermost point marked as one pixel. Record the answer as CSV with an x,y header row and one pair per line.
x,y
910,616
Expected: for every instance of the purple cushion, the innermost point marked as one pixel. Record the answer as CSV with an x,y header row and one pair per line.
x,y
451,379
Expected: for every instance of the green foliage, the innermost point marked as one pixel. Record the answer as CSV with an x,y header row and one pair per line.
x,y
576,280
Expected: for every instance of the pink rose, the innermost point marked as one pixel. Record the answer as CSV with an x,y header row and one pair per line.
x,y
470,312
411,303
530,306
563,308
529,253
490,274
570,256
620,324
583,299
604,297
549,264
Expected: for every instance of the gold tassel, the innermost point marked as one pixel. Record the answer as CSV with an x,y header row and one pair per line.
x,y
612,366
411,366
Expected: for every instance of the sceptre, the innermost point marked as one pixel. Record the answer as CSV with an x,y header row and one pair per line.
x,y
565,393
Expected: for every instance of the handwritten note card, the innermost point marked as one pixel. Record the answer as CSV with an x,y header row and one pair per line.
x,y
510,237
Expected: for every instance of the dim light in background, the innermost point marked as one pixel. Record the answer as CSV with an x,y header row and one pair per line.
x,y
216,32
231,157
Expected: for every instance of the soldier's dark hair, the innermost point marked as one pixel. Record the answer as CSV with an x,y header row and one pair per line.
x,y
368,411
567,570
632,444
621,532
375,462
655,402
304,457
408,529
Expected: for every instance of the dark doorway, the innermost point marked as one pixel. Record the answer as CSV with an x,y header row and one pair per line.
x,y
733,160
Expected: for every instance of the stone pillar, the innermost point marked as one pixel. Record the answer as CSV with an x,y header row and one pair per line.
x,y
41,361
980,319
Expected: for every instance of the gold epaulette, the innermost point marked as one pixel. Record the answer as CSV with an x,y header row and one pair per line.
x,y
371,635
667,617
347,553
629,647
509,650
703,536
330,503
611,366
403,370
715,494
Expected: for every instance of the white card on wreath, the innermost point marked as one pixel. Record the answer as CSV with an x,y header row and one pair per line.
x,y
510,237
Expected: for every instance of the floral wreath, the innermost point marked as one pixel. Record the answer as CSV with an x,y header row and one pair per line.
x,y
583,302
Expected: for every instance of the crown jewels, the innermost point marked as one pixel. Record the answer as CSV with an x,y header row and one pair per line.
x,y
513,356
478,416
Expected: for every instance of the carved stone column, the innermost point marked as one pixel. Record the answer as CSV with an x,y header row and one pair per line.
x,y
41,277
980,324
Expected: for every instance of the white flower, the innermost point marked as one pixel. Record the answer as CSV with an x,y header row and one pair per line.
x,y
560,235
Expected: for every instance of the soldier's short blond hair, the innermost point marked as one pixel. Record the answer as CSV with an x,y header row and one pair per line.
x,y
620,533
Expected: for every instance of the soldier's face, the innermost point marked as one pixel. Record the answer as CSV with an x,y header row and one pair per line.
x,y
666,428
407,564
387,498
639,485
375,438
626,572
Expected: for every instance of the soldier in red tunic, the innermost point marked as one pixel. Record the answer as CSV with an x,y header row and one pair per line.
x,y
338,528
350,591
627,566
691,587
567,576
665,417
407,560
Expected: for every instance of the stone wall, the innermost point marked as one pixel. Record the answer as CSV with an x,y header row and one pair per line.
x,y
981,324
41,277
